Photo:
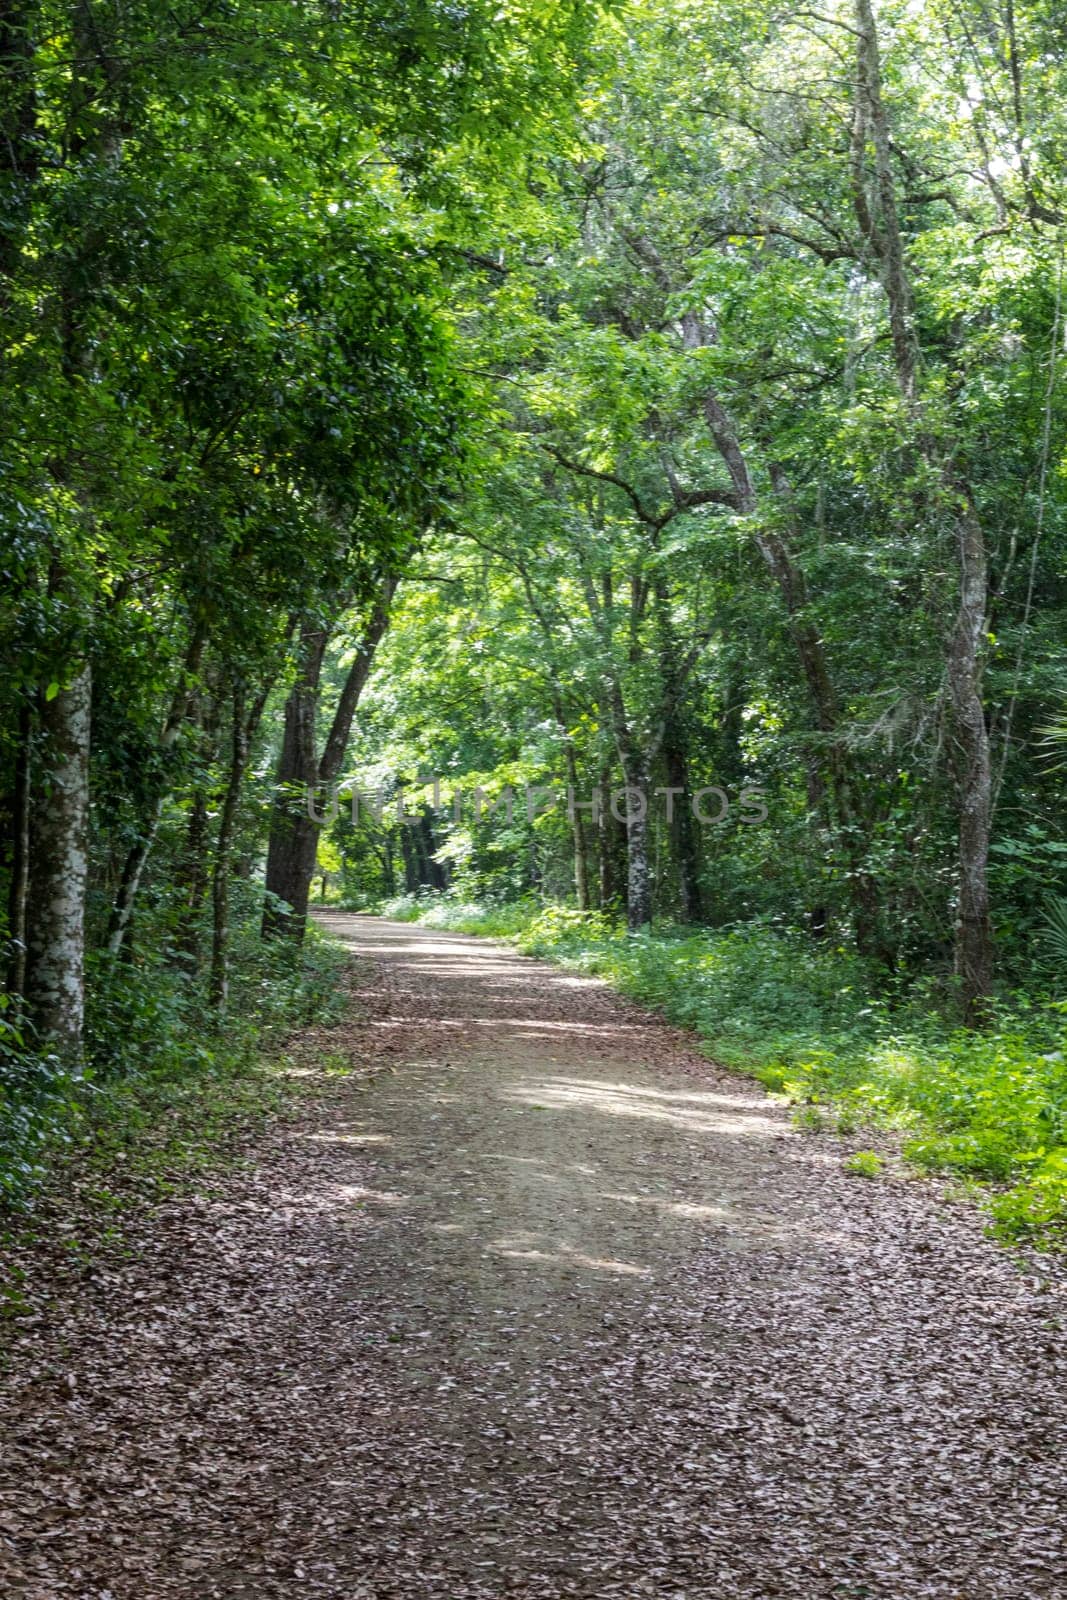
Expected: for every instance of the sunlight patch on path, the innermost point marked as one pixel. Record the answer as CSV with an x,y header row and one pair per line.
x,y
699,1113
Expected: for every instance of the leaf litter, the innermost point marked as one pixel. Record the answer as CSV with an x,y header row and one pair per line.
x,y
533,1301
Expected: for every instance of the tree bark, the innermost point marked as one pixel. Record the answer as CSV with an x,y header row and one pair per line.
x,y
18,887
435,873
635,770
293,833
243,732
684,840
411,876
850,834
55,975
638,868
882,225
581,864
973,934
964,654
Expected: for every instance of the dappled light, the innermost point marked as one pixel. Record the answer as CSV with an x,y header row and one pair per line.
x,y
694,1113
331,1136
361,1195
565,1255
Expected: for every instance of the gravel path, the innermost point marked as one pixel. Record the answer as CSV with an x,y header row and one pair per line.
x,y
547,1307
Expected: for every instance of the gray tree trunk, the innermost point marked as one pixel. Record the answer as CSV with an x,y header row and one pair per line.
x,y
55,975
18,888
964,656
973,933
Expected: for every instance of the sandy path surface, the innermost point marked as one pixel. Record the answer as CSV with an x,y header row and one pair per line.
x,y
548,1307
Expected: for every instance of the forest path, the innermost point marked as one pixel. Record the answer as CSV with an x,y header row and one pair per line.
x,y
547,1307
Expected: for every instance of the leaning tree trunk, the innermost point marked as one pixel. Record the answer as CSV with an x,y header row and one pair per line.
x,y
774,551
55,974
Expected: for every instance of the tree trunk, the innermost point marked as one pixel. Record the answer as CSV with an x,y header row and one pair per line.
x,y
882,227
636,777
964,657
611,848
974,935
192,873
18,887
55,975
411,875
581,862
638,871
774,551
243,730
293,833
192,881
581,865
684,840
435,874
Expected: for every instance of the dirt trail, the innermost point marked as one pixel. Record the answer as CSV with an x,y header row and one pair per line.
x,y
548,1308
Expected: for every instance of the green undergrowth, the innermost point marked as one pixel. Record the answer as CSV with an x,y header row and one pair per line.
x,y
801,1018
461,916
167,1085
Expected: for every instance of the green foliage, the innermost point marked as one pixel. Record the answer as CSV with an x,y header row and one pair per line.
x,y
864,1164
41,1107
160,1073
459,916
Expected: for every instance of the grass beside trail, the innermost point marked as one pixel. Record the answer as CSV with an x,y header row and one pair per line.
x,y
801,1018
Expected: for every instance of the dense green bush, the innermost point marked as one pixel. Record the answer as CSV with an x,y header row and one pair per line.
x,y
152,1041
458,915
